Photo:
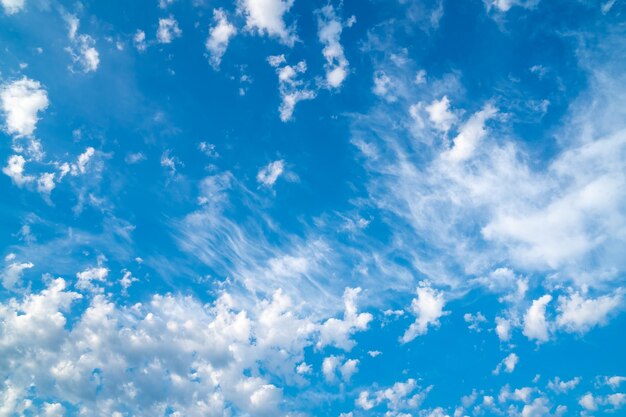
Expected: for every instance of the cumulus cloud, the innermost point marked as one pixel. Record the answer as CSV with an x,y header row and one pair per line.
x,y
329,33
535,323
168,30
427,308
440,115
561,387
401,396
13,6
85,56
508,364
292,90
219,36
16,171
470,134
266,17
268,175
13,273
338,332
87,278
579,315
139,40
21,101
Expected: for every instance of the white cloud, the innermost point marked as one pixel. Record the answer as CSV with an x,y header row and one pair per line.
x,y
266,17
588,402
440,115
329,33
13,6
80,167
82,49
337,332
219,36
400,396
508,364
21,101
427,308
45,183
168,30
561,387
13,273
139,40
475,321
470,135
614,381
15,170
292,90
87,278
579,315
329,367
348,369
535,323
503,329
505,5
268,175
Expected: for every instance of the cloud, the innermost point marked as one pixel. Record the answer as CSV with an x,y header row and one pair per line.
x,y
266,17
470,135
87,278
579,315
21,101
503,329
84,55
292,90
562,387
219,36
13,273
139,40
268,175
13,6
535,323
506,5
168,30
440,115
507,363
329,33
15,170
400,396
337,332
427,308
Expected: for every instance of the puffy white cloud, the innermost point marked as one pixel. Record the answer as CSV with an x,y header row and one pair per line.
x,y
87,277
21,101
614,381
474,321
292,90
82,50
503,329
505,5
588,402
440,115
139,40
329,33
579,315
337,332
538,408
427,308
470,134
13,273
219,36
15,170
535,323
400,396
268,175
45,183
561,387
266,17
168,30
13,6
329,367
508,364
80,167
146,357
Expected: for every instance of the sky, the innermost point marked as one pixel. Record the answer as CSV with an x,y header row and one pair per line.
x,y
299,208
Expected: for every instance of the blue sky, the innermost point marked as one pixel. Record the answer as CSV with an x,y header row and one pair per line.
x,y
286,208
